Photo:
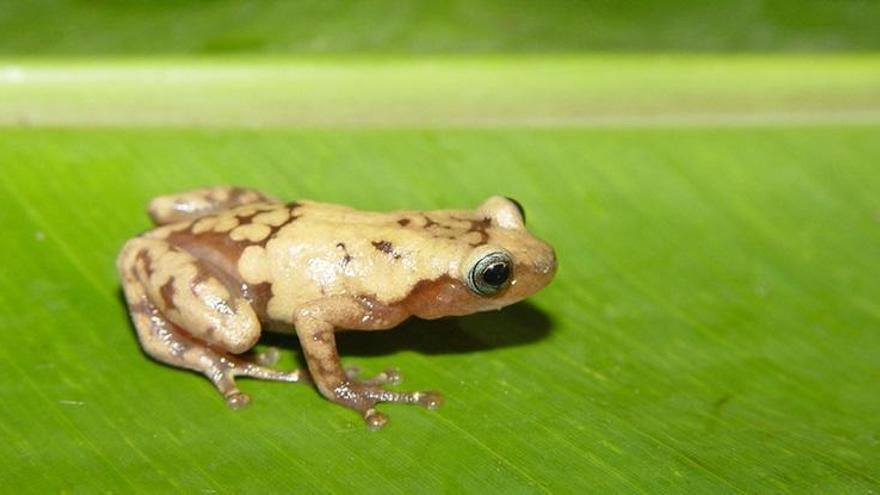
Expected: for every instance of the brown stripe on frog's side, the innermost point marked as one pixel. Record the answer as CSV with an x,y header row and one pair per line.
x,y
379,315
258,295
218,256
423,296
216,248
166,291
143,258
165,338
221,254
141,307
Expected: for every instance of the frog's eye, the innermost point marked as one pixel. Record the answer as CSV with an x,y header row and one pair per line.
x,y
490,274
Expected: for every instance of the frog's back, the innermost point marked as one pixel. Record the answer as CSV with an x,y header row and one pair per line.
x,y
418,243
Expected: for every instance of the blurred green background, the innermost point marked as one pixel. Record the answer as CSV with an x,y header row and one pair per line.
x,y
143,27
707,171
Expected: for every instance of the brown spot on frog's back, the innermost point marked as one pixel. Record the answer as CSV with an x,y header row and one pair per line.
x,y
429,222
403,222
386,247
480,227
346,258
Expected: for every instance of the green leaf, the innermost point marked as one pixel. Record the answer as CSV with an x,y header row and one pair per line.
x,y
713,327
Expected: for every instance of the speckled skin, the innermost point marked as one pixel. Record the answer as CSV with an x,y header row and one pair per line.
x,y
225,262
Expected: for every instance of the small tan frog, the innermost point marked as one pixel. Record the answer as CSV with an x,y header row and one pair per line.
x,y
225,262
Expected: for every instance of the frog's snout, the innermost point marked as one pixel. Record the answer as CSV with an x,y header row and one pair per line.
x,y
546,265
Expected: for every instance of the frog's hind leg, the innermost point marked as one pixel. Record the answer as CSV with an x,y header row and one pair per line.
x,y
179,340
190,205
168,343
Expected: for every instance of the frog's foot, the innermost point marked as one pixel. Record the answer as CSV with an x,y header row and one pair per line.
x,y
254,370
224,380
363,397
260,366
227,367
177,314
364,394
169,343
342,386
390,376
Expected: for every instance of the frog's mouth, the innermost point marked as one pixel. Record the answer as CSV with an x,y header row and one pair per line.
x,y
436,298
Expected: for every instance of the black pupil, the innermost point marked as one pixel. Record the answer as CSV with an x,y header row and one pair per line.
x,y
496,274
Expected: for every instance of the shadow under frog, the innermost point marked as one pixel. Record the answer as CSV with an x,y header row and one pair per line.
x,y
224,263
519,324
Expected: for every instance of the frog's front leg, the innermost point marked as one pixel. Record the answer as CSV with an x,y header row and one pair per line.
x,y
319,346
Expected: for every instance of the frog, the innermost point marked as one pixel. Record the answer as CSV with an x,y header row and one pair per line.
x,y
223,264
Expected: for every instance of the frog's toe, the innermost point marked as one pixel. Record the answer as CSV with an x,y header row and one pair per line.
x,y
429,399
253,370
375,420
390,376
269,357
237,400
